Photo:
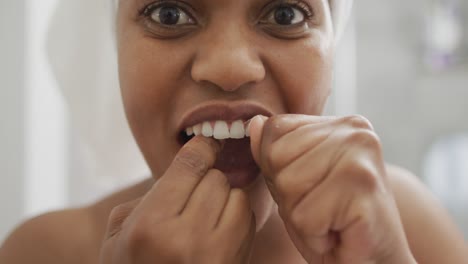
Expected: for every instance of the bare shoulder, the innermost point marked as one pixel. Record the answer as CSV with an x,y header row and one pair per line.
x,y
432,235
68,236
57,237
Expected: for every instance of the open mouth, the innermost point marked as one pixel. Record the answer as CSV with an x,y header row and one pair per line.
x,y
235,160
226,121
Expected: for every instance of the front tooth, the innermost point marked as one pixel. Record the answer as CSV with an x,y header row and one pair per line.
x,y
237,130
221,130
207,130
197,129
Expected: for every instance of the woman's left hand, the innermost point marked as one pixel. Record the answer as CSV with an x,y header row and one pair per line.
x,y
328,177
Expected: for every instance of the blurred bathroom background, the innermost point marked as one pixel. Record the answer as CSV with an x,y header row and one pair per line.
x,y
402,64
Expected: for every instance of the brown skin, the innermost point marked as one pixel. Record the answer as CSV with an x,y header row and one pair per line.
x,y
331,189
188,213
291,76
342,205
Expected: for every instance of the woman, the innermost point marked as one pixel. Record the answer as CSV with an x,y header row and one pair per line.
x,y
224,100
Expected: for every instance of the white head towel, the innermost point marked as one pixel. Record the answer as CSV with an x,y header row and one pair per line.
x,y
83,58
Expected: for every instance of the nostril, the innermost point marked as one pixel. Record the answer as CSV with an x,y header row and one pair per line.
x,y
229,69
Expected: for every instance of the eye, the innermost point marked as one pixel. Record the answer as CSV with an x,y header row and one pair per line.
x,y
287,19
168,15
286,15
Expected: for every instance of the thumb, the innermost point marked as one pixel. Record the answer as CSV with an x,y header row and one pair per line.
x,y
255,129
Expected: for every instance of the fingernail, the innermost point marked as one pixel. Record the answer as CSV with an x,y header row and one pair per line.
x,y
249,122
247,127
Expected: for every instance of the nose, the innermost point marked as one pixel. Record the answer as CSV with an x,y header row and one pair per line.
x,y
227,60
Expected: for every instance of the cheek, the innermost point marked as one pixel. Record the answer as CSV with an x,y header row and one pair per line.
x,y
149,78
304,75
150,73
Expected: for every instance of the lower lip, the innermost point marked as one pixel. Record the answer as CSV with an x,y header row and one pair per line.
x,y
237,163
241,179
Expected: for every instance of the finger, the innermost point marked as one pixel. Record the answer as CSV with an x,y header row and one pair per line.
x,y
237,224
339,160
237,216
255,129
245,250
171,193
353,153
323,244
207,202
273,129
118,215
325,145
310,255
294,144
303,175
314,217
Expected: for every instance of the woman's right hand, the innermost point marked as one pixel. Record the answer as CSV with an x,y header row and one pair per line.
x,y
191,215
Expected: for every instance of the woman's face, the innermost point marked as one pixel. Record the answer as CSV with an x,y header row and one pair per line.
x,y
185,62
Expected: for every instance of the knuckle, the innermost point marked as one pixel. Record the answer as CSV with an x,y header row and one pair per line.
x,y
119,213
116,220
190,159
321,245
300,220
297,220
358,121
366,138
137,236
365,175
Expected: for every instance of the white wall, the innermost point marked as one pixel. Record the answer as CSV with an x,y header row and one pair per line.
x,y
46,150
11,113
410,105
33,155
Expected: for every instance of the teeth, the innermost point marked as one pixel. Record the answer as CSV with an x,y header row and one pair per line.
x,y
237,130
219,129
189,131
207,130
197,129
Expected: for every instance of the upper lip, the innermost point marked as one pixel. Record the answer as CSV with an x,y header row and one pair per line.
x,y
223,111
